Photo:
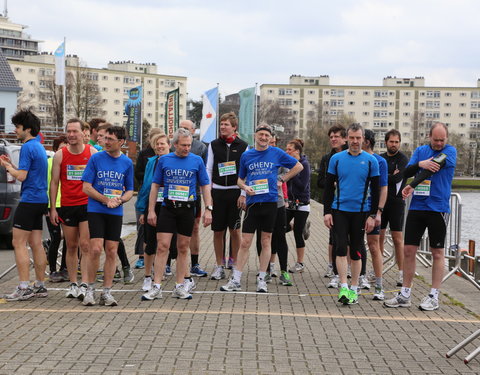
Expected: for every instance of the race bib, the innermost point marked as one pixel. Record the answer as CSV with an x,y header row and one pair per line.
x,y
112,193
160,194
75,172
423,188
178,193
260,186
226,169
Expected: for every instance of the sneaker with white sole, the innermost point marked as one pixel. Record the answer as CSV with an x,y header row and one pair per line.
x,y
196,270
363,282
400,279
398,301
72,291
268,278
128,276
429,303
154,293
334,281
181,293
107,300
20,295
298,267
285,279
168,270
272,271
329,272
379,295
189,285
262,286
147,284
89,299
218,273
231,286
82,291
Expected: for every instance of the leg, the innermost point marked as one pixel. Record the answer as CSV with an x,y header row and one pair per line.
x,y
96,248
298,227
244,250
39,256
219,246
84,238
438,267
55,239
377,259
398,243
183,243
111,250
266,251
410,252
22,258
72,239
163,246
235,238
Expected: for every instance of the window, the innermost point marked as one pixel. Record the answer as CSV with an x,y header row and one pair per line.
x,y
448,94
380,93
433,94
288,91
288,101
311,102
380,103
117,101
270,91
447,104
475,104
281,91
337,92
116,113
104,89
31,83
105,78
475,94
351,103
117,78
366,113
170,83
406,104
18,69
312,92
406,93
351,93
463,104
366,103
463,94
366,93
149,81
117,90
31,70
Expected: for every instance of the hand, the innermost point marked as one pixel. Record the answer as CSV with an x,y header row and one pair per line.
x,y
249,190
396,171
141,219
369,224
114,202
430,165
328,221
378,219
407,191
207,218
54,217
242,202
152,219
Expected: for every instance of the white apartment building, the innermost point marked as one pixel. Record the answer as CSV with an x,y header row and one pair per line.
x,y
113,82
405,104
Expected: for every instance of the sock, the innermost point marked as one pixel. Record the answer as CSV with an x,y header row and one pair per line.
x,y
379,282
342,285
189,278
148,276
434,293
178,285
157,286
237,275
38,284
400,273
106,290
23,284
272,266
194,259
91,286
354,288
406,292
261,275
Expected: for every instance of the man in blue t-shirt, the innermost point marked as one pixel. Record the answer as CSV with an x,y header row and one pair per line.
x,y
433,166
178,173
258,176
351,175
28,219
108,182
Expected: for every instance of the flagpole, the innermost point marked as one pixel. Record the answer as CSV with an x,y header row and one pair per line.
x,y
255,114
218,111
65,86
141,119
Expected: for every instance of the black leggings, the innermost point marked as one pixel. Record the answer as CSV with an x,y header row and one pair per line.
x,y
298,225
279,241
122,254
55,239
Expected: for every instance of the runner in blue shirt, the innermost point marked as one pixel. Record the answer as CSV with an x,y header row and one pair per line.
x,y
108,182
28,219
433,166
258,176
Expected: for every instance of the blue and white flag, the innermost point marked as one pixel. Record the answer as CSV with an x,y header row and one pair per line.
x,y
208,125
60,65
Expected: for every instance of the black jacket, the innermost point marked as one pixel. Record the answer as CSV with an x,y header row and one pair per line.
x,y
222,153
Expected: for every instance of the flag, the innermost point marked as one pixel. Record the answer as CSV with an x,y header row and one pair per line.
x,y
60,65
171,112
246,114
208,125
133,109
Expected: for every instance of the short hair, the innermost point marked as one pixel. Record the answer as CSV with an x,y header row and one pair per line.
x,y
104,126
370,137
154,131
436,125
337,128
86,126
28,120
94,122
73,120
356,127
58,141
231,117
297,144
266,127
393,132
154,139
181,132
118,131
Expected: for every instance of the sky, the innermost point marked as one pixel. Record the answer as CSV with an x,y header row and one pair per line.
x,y
240,43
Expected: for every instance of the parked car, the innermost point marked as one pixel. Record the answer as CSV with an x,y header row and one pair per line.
x,y
9,190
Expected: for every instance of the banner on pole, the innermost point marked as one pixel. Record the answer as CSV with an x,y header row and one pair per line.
x,y
172,106
246,114
133,109
60,65
208,125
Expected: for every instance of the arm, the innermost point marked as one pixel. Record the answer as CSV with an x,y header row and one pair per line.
x,y
381,204
92,193
328,200
242,185
54,182
297,168
207,200
152,200
209,164
322,173
398,174
19,174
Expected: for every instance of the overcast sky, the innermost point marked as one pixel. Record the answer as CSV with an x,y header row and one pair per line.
x,y
240,43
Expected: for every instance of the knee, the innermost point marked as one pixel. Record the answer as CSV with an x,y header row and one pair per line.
x,y
84,246
95,251
409,251
437,254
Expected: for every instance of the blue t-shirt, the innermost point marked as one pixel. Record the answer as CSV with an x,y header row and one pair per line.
x,y
33,159
179,176
260,169
353,180
434,194
109,176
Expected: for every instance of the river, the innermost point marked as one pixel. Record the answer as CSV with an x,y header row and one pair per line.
x,y
470,219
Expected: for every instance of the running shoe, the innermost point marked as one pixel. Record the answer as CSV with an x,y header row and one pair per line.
x,y
56,277
343,295
128,275
329,272
231,286
82,291
363,282
197,271
72,291
371,276
429,303
262,286
40,291
272,271
379,295
168,271
285,279
140,263
117,276
154,293
349,273
181,293
89,299
230,263
306,230
218,273
268,278
147,284
400,279
352,297
298,267
334,281
398,301
189,285
107,300
20,295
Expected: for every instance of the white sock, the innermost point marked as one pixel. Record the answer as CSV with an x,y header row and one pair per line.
x,y
406,292
261,275
344,285
434,292
237,275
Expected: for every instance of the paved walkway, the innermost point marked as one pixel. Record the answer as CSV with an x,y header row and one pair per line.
x,y
291,330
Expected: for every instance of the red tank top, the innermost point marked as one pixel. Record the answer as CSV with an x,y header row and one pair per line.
x,y
71,171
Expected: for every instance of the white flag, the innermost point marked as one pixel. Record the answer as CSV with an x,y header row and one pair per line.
x,y
60,65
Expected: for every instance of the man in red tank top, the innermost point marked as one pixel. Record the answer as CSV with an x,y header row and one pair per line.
x,y
68,166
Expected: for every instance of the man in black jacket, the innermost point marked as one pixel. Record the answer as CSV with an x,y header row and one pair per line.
x,y
222,166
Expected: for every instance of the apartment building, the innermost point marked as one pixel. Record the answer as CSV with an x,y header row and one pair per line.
x,y
14,42
405,104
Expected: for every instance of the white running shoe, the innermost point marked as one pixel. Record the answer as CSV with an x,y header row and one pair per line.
x,y
231,286
429,303
218,273
262,286
334,281
72,291
147,284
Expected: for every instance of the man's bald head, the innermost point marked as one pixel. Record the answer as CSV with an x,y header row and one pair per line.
x,y
187,124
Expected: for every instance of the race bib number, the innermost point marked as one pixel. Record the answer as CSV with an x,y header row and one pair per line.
x,y
260,186
178,193
160,194
423,188
112,193
75,172
226,169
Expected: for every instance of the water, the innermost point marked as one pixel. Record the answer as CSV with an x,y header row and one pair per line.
x,y
470,219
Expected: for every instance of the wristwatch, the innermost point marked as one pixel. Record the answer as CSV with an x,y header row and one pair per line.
x,y
209,208
380,209
373,216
